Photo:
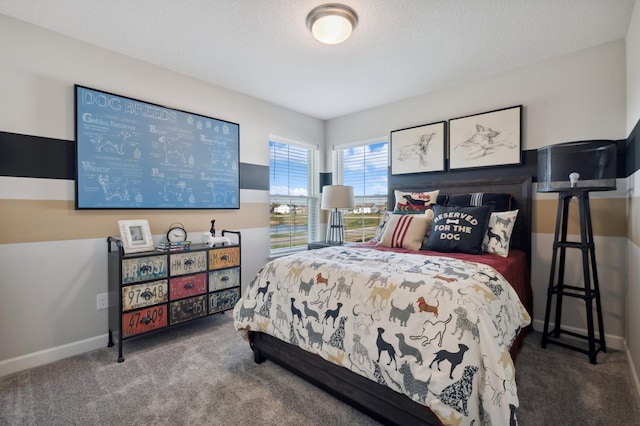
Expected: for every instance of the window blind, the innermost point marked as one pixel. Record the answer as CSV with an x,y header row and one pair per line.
x,y
365,167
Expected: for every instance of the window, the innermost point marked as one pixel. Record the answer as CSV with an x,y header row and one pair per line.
x,y
293,194
365,166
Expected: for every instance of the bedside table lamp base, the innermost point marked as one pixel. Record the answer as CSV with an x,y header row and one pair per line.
x,y
335,227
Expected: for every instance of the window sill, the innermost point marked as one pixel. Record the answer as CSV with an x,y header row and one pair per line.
x,y
286,252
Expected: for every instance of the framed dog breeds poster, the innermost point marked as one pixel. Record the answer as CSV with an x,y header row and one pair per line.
x,y
489,139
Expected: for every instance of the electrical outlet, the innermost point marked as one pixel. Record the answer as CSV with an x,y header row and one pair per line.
x,y
102,301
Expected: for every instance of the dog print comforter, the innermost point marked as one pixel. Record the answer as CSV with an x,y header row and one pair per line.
x,y
437,329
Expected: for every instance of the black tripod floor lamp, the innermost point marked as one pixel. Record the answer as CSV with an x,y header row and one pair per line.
x,y
573,170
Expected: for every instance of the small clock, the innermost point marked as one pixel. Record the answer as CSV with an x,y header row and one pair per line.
x,y
176,233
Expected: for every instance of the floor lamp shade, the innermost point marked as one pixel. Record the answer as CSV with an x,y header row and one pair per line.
x,y
572,170
584,165
336,197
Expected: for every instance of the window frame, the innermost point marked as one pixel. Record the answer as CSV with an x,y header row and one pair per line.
x,y
312,198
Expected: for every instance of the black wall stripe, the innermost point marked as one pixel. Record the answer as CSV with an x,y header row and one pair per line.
x,y
422,180
632,152
38,157
254,176
325,179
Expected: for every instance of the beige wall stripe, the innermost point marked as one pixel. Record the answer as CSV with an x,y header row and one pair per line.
x,y
608,215
634,220
54,220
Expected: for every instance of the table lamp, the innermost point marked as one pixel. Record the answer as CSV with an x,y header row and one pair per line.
x,y
335,197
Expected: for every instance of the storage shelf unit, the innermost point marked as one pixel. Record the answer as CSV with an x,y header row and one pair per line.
x,y
153,290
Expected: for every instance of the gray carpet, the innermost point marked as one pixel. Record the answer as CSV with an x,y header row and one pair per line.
x,y
203,373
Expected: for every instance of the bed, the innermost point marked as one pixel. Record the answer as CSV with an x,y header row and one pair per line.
x,y
421,337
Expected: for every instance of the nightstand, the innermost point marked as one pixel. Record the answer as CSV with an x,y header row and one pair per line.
x,y
322,244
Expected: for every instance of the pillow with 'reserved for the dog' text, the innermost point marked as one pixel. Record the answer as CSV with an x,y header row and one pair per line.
x,y
458,229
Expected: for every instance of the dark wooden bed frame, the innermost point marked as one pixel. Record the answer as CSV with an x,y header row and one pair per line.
x,y
381,403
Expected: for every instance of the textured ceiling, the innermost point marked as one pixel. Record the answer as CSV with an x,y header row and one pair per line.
x,y
400,48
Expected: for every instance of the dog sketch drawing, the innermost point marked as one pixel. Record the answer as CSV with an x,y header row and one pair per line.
x,y
417,149
482,143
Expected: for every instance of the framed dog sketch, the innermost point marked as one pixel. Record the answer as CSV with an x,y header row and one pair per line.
x,y
418,149
136,235
489,139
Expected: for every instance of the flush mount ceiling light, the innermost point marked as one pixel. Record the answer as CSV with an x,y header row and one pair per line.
x,y
332,23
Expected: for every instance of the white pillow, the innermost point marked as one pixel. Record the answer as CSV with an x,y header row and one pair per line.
x,y
498,236
406,231
414,202
381,226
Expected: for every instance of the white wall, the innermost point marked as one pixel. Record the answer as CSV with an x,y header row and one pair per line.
x,y
633,117
633,69
574,97
48,300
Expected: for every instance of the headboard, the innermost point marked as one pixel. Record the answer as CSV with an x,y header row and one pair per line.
x,y
518,187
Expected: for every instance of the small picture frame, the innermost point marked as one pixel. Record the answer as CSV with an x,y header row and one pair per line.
x,y
489,139
418,149
136,235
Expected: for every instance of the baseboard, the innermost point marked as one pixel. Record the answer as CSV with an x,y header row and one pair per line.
x,y
613,342
634,373
46,356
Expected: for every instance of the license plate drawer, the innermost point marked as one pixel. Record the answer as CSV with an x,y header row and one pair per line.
x,y
140,269
186,309
224,257
188,263
140,295
143,320
190,285
224,278
223,300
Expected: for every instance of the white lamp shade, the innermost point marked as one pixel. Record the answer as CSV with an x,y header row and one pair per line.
x,y
337,197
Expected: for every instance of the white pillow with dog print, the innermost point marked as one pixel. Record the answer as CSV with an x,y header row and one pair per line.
x,y
498,235
381,227
414,202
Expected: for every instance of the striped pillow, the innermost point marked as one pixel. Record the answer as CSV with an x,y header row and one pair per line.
x,y
500,202
406,231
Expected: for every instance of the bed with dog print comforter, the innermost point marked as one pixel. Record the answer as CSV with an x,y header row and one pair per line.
x,y
435,328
